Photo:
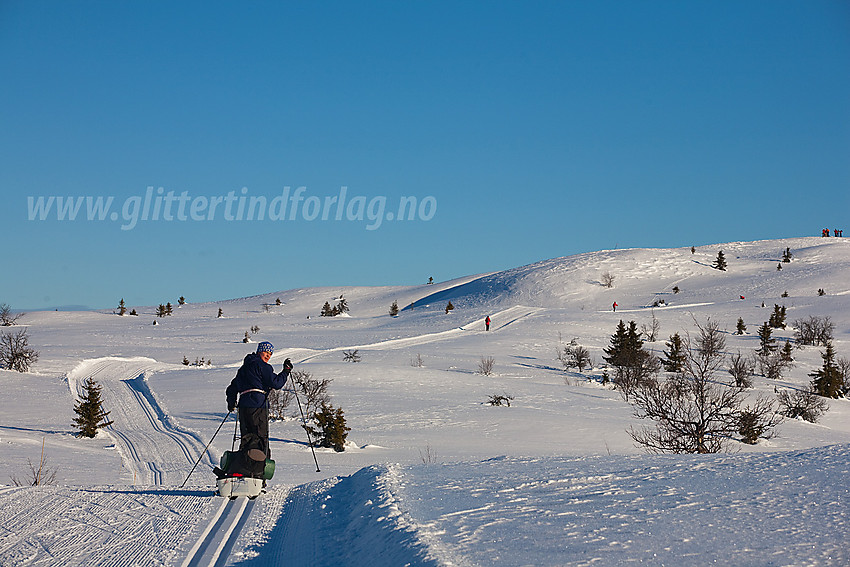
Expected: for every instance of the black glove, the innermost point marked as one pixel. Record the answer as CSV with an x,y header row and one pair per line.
x,y
230,408
287,365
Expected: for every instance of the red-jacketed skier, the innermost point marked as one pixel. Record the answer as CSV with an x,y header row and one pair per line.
x,y
487,323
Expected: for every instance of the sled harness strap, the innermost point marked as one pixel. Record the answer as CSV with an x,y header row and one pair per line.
x,y
252,390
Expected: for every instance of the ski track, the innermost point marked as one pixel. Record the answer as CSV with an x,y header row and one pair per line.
x,y
152,448
156,451
220,535
509,316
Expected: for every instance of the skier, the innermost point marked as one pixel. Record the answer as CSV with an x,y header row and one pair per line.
x,y
487,323
252,384
615,307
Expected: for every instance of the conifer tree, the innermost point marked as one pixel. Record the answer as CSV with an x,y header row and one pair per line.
x,y
342,306
168,308
827,381
766,340
786,256
720,262
741,327
326,310
394,309
777,318
121,308
786,352
161,311
89,410
181,301
674,357
332,429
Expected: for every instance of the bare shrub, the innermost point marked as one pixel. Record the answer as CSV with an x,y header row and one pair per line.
x,y
694,411
772,365
574,356
351,355
608,279
429,457
486,365
42,475
279,403
7,318
15,352
813,330
417,361
802,404
315,392
500,400
741,368
651,331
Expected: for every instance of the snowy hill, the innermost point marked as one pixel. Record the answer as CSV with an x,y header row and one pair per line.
x,y
433,475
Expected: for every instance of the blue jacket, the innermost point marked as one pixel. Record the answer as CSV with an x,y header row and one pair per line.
x,y
254,374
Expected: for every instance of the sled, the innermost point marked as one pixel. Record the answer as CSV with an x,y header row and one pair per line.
x,y
234,480
235,486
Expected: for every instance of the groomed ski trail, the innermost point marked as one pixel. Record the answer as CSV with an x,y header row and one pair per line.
x,y
218,538
499,321
153,449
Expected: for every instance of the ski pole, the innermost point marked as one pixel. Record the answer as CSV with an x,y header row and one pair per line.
x,y
304,421
205,449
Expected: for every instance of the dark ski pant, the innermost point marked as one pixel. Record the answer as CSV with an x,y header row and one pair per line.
x,y
254,427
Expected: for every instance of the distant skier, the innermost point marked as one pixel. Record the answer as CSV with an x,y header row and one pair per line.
x,y
615,307
252,384
487,323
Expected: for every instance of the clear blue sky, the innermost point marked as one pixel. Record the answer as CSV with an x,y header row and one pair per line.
x,y
539,129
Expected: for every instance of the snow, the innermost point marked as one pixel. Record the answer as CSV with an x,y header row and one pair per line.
x,y
433,475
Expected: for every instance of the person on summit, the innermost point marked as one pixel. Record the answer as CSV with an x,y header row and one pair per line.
x,y
252,384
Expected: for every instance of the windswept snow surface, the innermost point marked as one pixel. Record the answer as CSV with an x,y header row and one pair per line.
x,y
432,475
754,509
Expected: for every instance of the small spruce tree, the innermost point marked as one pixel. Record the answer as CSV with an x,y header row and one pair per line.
x,y
766,340
394,309
786,351
786,256
827,381
777,318
720,262
89,410
741,327
332,430
121,307
674,357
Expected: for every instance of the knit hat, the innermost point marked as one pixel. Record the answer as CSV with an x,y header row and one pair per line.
x,y
265,346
